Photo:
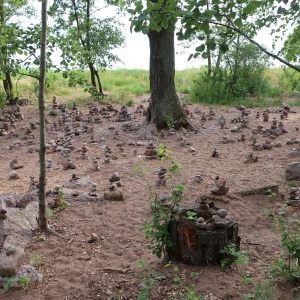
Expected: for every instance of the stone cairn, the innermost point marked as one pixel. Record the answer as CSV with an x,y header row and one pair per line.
x,y
161,180
215,153
15,164
265,116
294,196
251,158
284,110
150,152
123,115
115,179
219,188
54,111
222,122
33,184
113,194
95,166
93,189
184,142
68,164
84,150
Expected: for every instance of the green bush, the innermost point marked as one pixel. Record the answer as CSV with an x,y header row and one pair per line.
x,y
240,75
289,80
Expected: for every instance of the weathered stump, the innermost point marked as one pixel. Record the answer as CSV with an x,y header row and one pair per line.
x,y
198,246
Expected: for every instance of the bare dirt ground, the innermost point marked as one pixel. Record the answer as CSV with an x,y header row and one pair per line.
x,y
75,269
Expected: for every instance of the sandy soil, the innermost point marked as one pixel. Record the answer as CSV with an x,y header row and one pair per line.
x,y
74,269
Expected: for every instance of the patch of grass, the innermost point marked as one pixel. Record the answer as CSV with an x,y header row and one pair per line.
x,y
123,85
36,260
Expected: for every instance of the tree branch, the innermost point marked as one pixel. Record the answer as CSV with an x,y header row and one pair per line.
x,y
245,35
77,22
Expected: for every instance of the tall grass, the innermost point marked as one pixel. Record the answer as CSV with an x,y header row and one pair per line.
x,y
125,85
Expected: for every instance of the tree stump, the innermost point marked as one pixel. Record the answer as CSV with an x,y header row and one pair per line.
x,y
198,246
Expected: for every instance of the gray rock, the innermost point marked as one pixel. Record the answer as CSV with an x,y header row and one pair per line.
x,y
292,171
219,191
222,212
10,264
220,222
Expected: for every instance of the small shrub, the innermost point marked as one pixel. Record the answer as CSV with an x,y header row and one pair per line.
x,y
234,256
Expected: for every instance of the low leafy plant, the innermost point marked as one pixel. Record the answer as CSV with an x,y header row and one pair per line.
x,y
191,215
148,282
22,281
181,280
265,292
234,256
170,121
287,263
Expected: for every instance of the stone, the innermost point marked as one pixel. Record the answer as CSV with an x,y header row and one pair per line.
x,y
150,152
198,178
10,264
15,164
222,212
292,171
92,238
13,175
219,188
116,195
222,222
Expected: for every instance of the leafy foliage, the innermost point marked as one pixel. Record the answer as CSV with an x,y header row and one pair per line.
x,y
85,41
150,278
234,256
156,226
240,75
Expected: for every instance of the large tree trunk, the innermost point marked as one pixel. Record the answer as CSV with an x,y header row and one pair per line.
x,y
165,104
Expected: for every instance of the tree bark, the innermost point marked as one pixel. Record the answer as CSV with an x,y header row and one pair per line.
x,y
164,104
94,76
42,221
9,90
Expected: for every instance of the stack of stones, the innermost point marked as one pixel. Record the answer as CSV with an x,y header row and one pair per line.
x,y
84,150
68,164
33,184
95,166
161,180
114,178
294,196
17,112
150,152
265,116
123,115
54,111
15,164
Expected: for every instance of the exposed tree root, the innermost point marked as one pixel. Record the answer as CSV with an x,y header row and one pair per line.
x,y
51,231
147,131
190,126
